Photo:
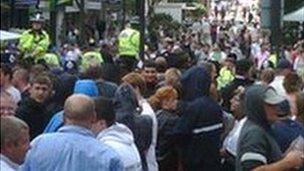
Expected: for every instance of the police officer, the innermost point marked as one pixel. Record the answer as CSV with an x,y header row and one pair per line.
x,y
128,45
35,41
91,56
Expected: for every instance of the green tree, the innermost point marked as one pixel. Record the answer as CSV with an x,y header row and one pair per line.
x,y
292,5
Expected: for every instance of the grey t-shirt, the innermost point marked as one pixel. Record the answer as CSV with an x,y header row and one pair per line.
x,y
255,148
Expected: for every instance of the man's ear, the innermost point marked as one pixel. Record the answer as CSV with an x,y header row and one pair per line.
x,y
30,89
52,93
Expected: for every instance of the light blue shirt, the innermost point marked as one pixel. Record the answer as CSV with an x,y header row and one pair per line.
x,y
55,123
72,148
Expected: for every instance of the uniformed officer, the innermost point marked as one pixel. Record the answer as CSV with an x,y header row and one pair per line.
x,y
91,56
128,45
35,41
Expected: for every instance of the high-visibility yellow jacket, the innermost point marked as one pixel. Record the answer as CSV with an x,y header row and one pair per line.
x,y
273,59
224,78
34,44
51,59
90,57
128,42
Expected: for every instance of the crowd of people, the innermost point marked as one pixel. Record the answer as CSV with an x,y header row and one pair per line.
x,y
213,97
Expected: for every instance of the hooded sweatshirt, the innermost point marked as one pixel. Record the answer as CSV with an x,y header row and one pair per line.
x,y
256,145
200,124
120,138
127,112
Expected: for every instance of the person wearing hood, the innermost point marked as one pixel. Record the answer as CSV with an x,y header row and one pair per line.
x,y
87,87
200,124
145,126
257,148
116,135
127,110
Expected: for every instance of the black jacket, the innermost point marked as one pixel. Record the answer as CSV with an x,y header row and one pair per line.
x,y
166,149
200,124
34,114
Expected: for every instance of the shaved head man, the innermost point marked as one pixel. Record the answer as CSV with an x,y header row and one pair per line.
x,y
73,146
79,109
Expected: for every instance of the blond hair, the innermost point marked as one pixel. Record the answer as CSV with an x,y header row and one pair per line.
x,y
172,76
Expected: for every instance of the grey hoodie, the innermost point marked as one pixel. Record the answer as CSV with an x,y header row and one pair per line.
x,y
120,138
256,144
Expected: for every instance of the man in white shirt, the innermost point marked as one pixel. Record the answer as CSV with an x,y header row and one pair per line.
x,y
6,75
15,140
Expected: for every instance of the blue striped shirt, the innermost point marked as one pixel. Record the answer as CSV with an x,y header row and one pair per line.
x,y
72,148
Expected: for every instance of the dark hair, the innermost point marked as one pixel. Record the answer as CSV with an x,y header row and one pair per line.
x,y
161,64
93,72
300,106
105,110
42,79
149,64
7,70
243,66
232,55
292,83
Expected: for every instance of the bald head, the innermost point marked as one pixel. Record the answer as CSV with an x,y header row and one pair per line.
x,y
79,109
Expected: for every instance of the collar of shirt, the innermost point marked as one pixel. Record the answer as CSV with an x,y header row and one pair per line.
x,y
76,129
279,78
240,77
10,163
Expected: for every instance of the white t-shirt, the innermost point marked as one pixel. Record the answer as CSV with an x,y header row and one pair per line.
x,y
298,64
15,93
150,156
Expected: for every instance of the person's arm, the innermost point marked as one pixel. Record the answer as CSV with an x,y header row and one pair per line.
x,y
292,160
42,45
25,41
253,154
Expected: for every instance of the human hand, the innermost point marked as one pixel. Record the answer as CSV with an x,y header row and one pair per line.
x,y
294,159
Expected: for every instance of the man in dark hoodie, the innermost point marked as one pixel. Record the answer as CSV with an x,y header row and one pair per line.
x,y
200,125
257,148
127,111
33,108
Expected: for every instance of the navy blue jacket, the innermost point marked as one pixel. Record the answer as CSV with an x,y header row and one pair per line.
x,y
200,125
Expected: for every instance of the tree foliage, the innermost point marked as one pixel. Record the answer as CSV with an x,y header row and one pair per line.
x,y
292,5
